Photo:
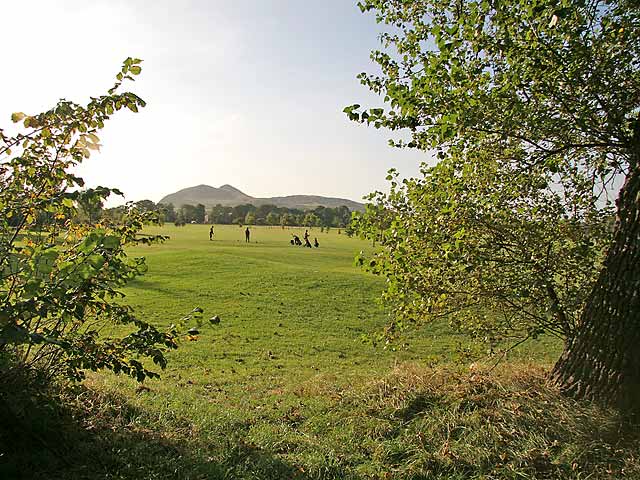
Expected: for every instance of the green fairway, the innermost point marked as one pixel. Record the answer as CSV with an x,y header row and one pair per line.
x,y
288,350
288,313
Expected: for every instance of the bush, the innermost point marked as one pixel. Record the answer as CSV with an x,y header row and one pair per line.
x,y
59,280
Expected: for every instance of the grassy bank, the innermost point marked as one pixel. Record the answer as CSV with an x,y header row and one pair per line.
x,y
415,422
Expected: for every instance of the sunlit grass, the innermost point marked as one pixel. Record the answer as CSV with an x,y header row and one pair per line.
x,y
284,386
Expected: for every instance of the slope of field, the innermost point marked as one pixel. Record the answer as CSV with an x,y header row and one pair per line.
x,y
285,387
286,311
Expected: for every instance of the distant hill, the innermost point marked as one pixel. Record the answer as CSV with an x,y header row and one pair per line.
x,y
230,196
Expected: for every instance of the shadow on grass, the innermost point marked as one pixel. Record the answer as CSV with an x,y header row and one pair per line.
x,y
153,285
84,436
419,404
416,423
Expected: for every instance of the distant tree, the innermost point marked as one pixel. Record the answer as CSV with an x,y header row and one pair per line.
x,y
167,211
188,213
180,220
272,218
250,218
114,215
342,217
146,206
240,211
310,220
327,215
219,214
320,212
263,210
199,213
90,205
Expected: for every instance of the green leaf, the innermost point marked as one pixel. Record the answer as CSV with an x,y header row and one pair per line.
x,y
17,116
13,334
96,260
89,243
111,242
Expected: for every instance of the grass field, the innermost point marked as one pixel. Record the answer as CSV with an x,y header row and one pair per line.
x,y
284,386
287,313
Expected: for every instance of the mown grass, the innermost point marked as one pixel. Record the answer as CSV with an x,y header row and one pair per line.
x,y
284,387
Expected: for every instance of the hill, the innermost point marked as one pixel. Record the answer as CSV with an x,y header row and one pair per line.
x,y
230,196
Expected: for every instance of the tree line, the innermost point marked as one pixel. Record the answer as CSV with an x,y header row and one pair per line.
x,y
90,209
246,214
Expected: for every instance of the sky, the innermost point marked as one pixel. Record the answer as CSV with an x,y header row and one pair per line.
x,y
242,92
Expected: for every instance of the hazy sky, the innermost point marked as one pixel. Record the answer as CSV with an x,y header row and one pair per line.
x,y
245,92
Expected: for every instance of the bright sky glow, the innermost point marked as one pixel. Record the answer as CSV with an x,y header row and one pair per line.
x,y
244,92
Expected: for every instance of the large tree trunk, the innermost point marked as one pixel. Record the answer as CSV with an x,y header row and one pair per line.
x,y
602,361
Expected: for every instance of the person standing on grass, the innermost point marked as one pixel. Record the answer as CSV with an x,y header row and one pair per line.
x,y
211,233
247,235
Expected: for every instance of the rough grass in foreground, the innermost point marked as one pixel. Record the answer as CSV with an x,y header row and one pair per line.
x,y
416,422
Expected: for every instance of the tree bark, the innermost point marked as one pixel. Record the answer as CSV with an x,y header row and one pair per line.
x,y
602,361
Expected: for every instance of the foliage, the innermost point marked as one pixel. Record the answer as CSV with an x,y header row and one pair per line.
x,y
60,280
507,258
250,218
530,108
